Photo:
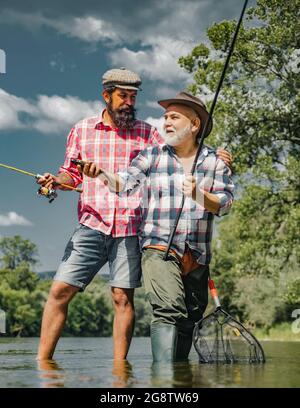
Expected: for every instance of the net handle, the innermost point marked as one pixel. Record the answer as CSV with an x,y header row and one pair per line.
x,y
214,293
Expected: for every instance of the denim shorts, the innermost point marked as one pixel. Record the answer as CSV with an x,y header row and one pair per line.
x,y
88,250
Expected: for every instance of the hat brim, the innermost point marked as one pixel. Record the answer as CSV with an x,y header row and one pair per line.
x,y
122,86
201,112
130,87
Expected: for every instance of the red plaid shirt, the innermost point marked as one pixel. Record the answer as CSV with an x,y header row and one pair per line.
x,y
112,149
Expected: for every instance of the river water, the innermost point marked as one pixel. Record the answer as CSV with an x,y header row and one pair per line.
x,y
87,362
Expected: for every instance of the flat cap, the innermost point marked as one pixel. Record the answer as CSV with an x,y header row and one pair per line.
x,y
121,78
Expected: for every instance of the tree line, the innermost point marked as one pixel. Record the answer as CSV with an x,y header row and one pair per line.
x,y
23,295
257,250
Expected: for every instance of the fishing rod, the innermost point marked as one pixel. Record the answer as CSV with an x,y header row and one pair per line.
x,y
49,193
204,130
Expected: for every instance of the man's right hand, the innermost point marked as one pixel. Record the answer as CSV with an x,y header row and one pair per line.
x,y
93,170
90,169
48,180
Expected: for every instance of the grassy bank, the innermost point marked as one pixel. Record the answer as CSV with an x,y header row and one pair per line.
x,y
280,332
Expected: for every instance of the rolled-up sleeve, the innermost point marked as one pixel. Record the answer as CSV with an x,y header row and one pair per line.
x,y
223,187
135,175
72,152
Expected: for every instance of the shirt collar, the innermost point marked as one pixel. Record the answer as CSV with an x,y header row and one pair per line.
x,y
100,120
203,154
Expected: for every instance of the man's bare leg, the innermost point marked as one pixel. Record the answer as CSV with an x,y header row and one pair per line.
x,y
123,321
54,317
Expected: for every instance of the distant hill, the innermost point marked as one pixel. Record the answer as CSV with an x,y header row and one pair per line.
x,y
46,274
104,272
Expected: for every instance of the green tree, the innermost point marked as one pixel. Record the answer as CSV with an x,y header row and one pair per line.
x,y
90,313
143,313
22,297
257,251
292,295
16,250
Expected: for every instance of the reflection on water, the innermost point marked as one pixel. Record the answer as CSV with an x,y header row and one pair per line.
x,y
177,374
192,374
228,375
122,374
87,362
51,375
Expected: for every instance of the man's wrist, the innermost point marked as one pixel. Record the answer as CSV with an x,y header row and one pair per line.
x,y
209,201
198,196
64,178
113,181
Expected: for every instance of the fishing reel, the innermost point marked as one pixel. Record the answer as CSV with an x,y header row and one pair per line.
x,y
49,193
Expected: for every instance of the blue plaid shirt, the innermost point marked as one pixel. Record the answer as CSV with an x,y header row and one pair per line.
x,y
159,174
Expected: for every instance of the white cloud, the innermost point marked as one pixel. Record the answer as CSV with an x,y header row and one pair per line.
x,y
117,22
157,62
48,114
152,105
57,113
90,29
10,106
160,32
12,218
87,28
164,92
156,122
160,42
178,28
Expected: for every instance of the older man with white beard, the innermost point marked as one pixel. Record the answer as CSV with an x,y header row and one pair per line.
x,y
176,288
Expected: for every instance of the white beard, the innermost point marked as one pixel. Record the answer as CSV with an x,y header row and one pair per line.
x,y
178,136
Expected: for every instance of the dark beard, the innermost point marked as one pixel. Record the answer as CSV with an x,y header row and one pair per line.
x,y
123,118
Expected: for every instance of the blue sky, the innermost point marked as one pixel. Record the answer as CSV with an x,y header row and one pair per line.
x,y
56,53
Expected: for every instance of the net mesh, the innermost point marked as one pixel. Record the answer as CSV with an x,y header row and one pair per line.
x,y
219,338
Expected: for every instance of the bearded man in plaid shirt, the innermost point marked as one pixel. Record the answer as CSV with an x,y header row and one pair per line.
x,y
108,224
176,288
